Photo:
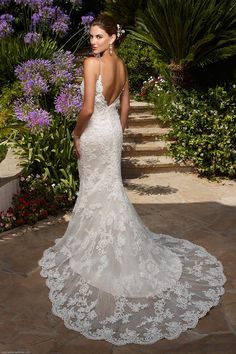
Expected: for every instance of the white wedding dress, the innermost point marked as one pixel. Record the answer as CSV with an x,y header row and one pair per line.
x,y
109,276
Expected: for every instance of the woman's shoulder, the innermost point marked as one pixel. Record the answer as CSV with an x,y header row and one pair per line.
x,y
123,64
91,61
121,60
91,65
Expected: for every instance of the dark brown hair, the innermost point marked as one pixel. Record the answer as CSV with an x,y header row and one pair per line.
x,y
108,24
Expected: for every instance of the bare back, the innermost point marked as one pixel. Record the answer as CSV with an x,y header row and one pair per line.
x,y
113,76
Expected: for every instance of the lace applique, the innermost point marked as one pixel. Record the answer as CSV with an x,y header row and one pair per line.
x,y
109,276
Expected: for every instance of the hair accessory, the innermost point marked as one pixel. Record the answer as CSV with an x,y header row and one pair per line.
x,y
120,31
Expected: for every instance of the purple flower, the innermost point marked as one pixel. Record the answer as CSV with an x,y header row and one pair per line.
x,y
63,68
35,18
32,37
39,118
30,67
34,75
61,23
35,117
44,11
69,101
5,25
47,13
86,20
35,86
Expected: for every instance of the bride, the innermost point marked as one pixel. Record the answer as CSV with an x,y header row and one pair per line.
x,y
109,276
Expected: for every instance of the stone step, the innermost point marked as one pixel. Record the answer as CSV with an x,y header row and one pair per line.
x,y
145,149
142,120
133,167
141,107
145,120
142,134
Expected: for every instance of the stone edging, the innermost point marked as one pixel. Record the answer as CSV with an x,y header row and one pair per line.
x,y
50,220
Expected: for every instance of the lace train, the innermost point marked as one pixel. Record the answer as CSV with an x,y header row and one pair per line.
x,y
109,276
121,320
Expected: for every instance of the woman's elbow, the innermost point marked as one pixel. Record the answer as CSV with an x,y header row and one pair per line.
x,y
88,111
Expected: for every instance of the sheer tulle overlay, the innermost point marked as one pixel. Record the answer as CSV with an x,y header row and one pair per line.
x,y
109,276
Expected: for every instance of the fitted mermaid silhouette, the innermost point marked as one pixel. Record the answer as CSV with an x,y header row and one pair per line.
x,y
109,276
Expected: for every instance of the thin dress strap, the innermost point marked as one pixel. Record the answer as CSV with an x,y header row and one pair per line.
x,y
100,66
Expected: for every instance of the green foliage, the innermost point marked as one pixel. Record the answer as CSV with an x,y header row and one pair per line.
x,y
8,94
187,34
156,90
123,11
203,128
8,124
140,60
13,51
3,151
50,153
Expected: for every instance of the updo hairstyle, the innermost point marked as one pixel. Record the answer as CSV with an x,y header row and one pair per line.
x,y
108,24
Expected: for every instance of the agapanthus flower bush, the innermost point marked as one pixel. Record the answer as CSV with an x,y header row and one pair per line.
x,y
32,29
43,15
49,105
41,81
39,17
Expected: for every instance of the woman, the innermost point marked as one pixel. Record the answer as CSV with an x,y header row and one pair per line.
x,y
109,276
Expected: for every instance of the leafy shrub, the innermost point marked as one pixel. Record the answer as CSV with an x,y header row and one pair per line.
x,y
50,153
140,60
203,127
3,151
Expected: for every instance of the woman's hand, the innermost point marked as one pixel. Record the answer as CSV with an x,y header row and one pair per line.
x,y
77,146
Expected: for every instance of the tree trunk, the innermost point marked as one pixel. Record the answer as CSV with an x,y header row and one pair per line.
x,y
180,75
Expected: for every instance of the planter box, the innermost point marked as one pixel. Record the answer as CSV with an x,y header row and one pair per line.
x,y
10,172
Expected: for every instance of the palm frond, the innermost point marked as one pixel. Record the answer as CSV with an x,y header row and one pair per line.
x,y
188,33
123,11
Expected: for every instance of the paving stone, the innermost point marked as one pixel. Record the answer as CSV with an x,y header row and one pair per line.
x,y
178,204
213,322
208,344
229,305
82,345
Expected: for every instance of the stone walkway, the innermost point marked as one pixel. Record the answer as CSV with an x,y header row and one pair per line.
x,y
182,205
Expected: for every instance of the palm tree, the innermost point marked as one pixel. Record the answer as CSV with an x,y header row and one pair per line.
x,y
189,33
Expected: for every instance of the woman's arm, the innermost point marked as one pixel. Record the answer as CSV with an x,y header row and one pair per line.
x,y
125,104
90,66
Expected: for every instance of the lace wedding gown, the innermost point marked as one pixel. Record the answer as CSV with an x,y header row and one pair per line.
x,y
109,276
